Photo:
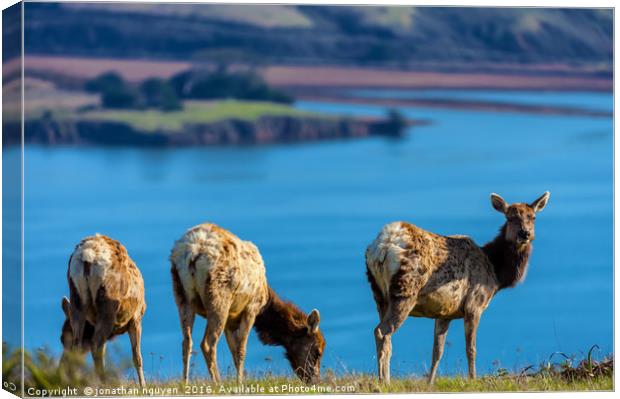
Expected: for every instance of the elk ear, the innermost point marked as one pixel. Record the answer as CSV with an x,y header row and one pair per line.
x,y
65,305
541,202
313,321
498,203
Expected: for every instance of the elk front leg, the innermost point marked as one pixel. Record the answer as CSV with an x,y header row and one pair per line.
x,y
135,334
106,319
77,316
397,312
441,331
471,328
103,330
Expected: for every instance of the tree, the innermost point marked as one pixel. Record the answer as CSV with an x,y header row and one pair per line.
x,y
121,97
157,93
115,92
221,83
104,82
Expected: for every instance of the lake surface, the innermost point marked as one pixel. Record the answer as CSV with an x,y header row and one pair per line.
x,y
312,210
593,101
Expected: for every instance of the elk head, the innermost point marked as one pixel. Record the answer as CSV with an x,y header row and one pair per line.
x,y
520,218
306,350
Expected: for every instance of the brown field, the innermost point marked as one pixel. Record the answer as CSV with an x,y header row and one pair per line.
x,y
377,78
132,70
532,78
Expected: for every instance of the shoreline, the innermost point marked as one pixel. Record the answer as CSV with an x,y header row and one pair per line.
x,y
464,105
267,130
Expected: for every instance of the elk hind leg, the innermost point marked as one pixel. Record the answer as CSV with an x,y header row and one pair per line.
x,y
216,322
397,311
238,340
186,317
135,334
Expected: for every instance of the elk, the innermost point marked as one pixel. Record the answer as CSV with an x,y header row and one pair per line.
x,y
413,272
107,299
222,278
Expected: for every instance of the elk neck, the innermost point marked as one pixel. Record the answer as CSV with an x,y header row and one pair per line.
x,y
509,259
279,322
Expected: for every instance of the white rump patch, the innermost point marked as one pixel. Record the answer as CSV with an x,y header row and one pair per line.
x,y
200,245
384,254
95,251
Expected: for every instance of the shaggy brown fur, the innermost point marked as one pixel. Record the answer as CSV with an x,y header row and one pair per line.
x,y
107,299
222,278
413,272
282,323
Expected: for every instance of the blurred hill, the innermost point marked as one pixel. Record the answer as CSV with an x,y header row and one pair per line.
x,y
320,35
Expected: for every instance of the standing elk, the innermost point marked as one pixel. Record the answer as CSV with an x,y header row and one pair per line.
x,y
107,299
222,278
413,272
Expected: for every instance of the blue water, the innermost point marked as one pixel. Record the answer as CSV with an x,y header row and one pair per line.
x,y
588,100
312,210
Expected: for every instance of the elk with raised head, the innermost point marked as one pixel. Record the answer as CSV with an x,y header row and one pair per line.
x,y
222,278
107,299
413,272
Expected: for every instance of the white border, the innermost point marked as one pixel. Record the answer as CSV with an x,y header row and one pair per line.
x,y
479,3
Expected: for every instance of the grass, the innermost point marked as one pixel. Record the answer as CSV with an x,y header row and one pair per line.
x,y
364,383
194,112
42,373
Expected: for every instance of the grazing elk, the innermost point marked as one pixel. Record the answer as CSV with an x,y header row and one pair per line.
x,y
222,278
413,272
107,299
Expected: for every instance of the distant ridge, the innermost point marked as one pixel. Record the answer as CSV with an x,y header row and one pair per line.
x,y
364,36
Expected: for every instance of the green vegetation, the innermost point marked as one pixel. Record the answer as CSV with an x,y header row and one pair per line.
x,y
194,112
118,94
115,92
221,83
160,94
103,82
41,372
164,95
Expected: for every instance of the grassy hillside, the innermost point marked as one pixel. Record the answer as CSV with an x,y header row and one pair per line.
x,y
381,36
